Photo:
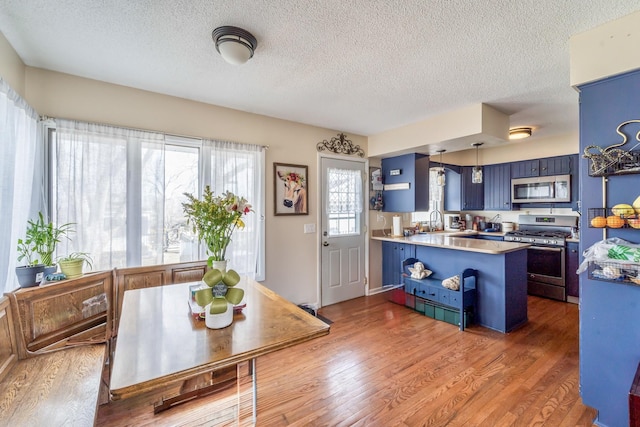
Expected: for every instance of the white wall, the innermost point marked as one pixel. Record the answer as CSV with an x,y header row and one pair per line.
x,y
291,255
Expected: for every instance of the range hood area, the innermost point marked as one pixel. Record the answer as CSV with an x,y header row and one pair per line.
x,y
455,131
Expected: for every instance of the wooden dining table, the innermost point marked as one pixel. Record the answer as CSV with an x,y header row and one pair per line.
x,y
159,341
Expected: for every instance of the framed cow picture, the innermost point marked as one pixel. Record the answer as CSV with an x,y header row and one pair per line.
x,y
290,189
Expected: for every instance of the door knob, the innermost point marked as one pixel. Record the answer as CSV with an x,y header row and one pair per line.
x,y
325,243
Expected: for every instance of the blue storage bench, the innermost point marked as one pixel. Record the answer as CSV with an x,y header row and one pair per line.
x,y
431,290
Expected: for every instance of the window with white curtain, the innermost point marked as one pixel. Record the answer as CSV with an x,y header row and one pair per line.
x,y
124,190
21,190
344,196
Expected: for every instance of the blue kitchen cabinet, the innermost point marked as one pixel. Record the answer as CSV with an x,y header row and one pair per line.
x,y
406,183
555,166
472,194
525,168
572,261
497,187
609,311
560,165
393,253
460,193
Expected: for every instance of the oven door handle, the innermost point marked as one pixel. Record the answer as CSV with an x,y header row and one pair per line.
x,y
544,248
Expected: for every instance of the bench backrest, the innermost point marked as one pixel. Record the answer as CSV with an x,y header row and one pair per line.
x,y
8,349
66,313
151,276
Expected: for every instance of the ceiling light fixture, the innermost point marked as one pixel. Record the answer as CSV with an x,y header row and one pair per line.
x,y
440,179
235,45
476,176
520,133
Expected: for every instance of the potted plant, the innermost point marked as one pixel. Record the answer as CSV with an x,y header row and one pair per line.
x,y
71,265
37,249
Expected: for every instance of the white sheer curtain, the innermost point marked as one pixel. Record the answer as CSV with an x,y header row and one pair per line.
x,y
21,185
344,191
239,168
123,188
109,181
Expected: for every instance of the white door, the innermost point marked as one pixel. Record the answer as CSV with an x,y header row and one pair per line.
x,y
342,230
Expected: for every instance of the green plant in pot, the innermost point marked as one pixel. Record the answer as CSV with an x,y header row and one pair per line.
x,y
214,219
37,249
71,265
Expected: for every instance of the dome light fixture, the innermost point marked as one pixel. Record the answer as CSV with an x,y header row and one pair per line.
x,y
235,45
476,175
520,133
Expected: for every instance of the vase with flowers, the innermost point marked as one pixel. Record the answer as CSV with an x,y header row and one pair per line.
x,y
214,219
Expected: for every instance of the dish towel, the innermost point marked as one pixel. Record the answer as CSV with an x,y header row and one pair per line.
x,y
452,283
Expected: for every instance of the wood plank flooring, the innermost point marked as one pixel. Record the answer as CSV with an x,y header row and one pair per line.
x,y
386,365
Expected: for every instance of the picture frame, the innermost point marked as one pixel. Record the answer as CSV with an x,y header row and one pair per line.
x,y
290,189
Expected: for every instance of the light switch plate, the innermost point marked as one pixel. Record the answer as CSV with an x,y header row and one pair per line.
x,y
309,228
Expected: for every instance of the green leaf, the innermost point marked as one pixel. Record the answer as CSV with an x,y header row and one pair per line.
x,y
231,278
234,295
212,277
218,306
204,297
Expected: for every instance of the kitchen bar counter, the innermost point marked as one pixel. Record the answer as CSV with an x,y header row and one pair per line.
x,y
502,270
456,241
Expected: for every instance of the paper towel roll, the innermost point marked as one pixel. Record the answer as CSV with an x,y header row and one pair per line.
x,y
397,226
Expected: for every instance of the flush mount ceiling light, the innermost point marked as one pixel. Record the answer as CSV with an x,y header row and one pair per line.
x,y
235,45
519,133
476,176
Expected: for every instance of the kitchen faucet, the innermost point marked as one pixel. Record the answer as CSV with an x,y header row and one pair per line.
x,y
432,227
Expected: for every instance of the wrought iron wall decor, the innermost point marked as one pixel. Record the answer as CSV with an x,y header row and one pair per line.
x,y
340,145
613,160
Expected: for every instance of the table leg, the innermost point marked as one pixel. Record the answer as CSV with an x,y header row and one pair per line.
x,y
254,383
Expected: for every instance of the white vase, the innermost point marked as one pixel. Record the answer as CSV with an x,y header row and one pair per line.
x,y
220,265
218,321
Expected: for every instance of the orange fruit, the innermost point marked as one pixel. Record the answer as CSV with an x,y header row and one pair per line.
x,y
615,222
599,222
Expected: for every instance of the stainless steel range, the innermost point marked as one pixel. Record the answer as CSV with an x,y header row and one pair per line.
x,y
546,257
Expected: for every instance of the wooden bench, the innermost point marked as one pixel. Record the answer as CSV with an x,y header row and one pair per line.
x,y
54,341
431,289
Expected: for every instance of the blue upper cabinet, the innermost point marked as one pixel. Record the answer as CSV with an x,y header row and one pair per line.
x,y
472,194
525,169
406,183
459,192
555,166
497,187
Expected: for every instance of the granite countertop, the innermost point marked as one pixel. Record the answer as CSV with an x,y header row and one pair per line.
x,y
454,240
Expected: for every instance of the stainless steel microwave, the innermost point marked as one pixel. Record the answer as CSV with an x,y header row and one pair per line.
x,y
541,189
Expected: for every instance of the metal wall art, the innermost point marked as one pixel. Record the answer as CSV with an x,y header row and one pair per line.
x,y
613,160
340,145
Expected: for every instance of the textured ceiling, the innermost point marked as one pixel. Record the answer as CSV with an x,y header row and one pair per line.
x,y
358,66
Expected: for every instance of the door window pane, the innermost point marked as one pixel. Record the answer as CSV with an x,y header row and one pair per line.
x,y
344,196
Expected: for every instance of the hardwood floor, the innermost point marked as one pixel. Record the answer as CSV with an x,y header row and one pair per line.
x,y
386,365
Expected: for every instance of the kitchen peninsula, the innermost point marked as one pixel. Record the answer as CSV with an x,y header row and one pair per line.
x,y
502,271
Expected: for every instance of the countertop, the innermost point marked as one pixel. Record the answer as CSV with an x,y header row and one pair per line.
x,y
454,240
